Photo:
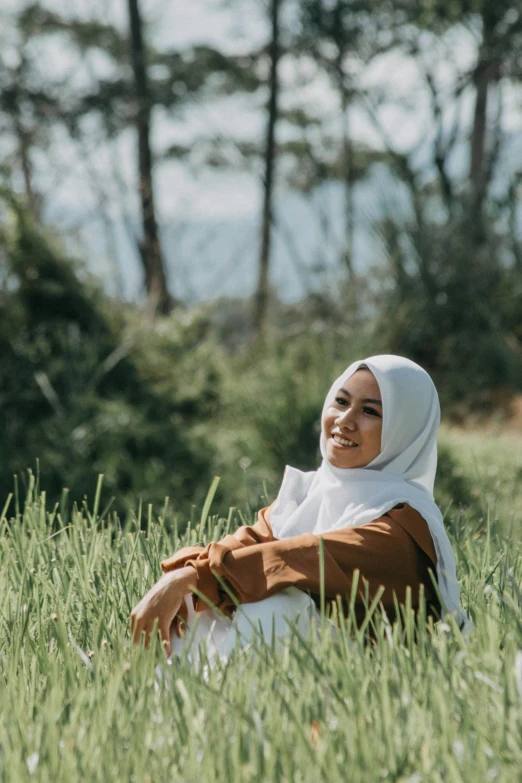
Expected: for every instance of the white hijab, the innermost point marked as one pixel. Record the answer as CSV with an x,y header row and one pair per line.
x,y
404,472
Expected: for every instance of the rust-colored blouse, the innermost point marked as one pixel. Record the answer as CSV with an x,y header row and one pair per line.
x,y
395,551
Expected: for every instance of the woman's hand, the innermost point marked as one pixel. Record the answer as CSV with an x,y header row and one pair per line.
x,y
162,603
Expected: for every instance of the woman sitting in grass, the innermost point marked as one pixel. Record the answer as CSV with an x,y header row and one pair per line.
x,y
370,504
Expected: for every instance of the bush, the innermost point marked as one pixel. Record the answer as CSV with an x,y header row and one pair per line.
x,y
452,303
87,387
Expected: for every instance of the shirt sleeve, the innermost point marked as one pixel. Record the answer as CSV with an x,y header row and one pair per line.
x,y
199,558
382,553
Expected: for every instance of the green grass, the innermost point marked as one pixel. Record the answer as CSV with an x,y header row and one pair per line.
x,y
491,460
79,702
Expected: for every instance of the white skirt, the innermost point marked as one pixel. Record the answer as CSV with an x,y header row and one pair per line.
x,y
215,636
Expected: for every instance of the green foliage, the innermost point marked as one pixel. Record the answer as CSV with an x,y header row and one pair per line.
x,y
453,488
273,397
87,387
79,702
90,387
271,418
34,100
453,307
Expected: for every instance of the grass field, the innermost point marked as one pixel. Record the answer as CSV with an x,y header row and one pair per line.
x,y
78,702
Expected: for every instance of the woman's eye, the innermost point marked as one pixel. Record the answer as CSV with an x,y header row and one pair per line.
x,y
371,411
341,401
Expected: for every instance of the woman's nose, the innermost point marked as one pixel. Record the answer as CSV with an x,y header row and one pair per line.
x,y
346,419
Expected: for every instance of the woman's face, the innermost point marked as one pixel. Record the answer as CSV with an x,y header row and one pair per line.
x,y
352,423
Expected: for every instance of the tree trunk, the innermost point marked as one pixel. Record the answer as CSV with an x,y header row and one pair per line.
x,y
347,180
23,137
261,299
150,247
24,151
478,137
347,150
485,77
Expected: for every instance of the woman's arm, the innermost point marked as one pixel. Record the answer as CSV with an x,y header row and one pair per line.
x,y
186,571
248,535
382,552
394,552
199,558
161,604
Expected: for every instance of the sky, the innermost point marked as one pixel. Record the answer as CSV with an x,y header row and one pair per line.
x,y
210,218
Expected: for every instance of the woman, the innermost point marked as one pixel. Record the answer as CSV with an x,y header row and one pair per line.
x,y
371,503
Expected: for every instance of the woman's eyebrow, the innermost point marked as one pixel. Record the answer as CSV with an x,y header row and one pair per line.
x,y
368,399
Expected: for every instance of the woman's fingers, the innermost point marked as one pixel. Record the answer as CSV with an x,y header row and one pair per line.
x,y
164,629
140,628
159,606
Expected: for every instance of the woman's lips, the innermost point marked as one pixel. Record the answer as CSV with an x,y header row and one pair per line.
x,y
344,443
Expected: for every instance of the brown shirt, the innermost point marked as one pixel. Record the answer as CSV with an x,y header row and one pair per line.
x,y
395,551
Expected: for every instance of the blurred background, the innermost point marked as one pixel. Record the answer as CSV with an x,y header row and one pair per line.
x,y
209,208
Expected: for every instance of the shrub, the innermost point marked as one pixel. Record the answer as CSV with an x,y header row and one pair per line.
x,y
88,387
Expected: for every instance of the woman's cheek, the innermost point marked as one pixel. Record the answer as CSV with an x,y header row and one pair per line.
x,y
328,419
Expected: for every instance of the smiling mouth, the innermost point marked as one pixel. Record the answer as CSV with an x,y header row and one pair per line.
x,y
346,442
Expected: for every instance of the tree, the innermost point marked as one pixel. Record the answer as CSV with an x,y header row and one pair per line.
x,y
150,246
455,253
28,112
39,106
87,390
331,32
270,160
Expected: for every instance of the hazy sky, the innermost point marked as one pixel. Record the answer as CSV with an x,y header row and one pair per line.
x,y
196,203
